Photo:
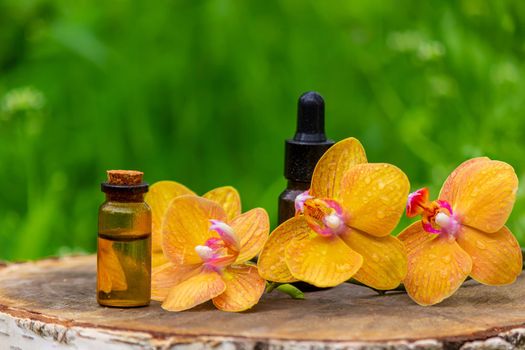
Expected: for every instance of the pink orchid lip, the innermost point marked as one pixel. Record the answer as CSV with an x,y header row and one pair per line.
x,y
427,226
446,205
335,206
300,200
416,201
214,243
226,232
220,261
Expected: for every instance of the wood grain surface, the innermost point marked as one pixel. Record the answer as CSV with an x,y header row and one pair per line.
x,y
51,303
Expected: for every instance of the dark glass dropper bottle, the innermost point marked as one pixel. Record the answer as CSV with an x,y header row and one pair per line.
x,y
303,151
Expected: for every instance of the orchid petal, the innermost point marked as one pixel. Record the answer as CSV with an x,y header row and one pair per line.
x,y
374,195
436,268
228,198
252,228
244,288
482,193
329,171
272,265
158,198
166,276
111,274
496,257
415,237
194,291
158,259
384,259
450,188
322,261
186,225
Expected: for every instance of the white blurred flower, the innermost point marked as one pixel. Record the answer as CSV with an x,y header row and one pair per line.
x,y
22,99
416,43
441,85
407,41
505,73
430,50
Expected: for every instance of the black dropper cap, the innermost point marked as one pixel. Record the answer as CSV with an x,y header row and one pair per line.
x,y
310,142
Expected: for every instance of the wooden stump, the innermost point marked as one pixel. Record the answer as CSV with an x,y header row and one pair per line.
x,y
50,304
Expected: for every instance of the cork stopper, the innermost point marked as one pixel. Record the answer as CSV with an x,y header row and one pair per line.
x,y
125,177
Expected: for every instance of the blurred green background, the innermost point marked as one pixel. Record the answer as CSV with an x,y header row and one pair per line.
x,y
205,92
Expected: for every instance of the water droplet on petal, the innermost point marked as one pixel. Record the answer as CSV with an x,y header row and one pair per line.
x,y
481,245
381,185
342,267
375,257
367,180
380,214
446,259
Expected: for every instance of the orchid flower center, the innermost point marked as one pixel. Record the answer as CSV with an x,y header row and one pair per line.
x,y
333,221
219,252
437,216
205,252
325,216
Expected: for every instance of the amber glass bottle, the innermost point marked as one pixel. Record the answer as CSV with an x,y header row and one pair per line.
x,y
124,242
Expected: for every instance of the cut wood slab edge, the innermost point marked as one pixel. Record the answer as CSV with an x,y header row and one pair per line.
x,y
23,329
20,331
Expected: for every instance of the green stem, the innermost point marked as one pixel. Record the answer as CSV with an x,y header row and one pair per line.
x,y
291,290
270,286
285,288
400,288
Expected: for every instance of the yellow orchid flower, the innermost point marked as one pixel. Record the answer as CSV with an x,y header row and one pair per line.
x,y
208,256
462,233
112,276
160,196
343,232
